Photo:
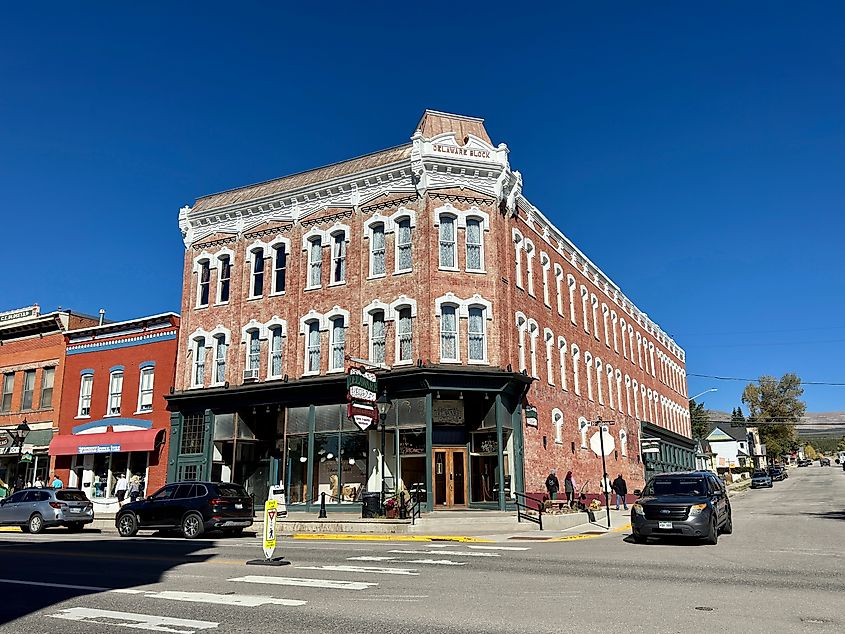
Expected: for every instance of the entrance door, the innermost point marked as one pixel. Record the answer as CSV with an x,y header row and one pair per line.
x,y
449,469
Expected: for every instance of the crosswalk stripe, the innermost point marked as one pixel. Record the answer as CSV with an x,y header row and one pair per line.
x,y
334,584
444,562
244,600
499,547
457,553
151,622
364,569
371,558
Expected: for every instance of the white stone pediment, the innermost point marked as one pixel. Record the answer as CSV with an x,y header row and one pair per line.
x,y
446,145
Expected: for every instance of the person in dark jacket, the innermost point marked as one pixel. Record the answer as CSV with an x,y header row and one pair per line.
x,y
569,487
620,487
552,485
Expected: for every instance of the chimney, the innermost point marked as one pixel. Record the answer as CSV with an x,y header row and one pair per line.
x,y
102,316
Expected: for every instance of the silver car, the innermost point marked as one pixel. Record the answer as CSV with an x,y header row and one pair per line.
x,y
36,509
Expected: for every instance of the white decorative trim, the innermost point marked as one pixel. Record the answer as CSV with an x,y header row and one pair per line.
x,y
375,306
312,233
253,324
311,315
401,302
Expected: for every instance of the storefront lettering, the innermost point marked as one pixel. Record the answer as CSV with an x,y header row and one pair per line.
x,y
447,412
98,449
461,151
19,314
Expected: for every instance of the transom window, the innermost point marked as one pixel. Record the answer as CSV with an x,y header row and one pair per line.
x,y
447,242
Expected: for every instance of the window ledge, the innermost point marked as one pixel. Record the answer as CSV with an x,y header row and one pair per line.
x,y
142,411
226,303
451,361
403,271
377,276
406,362
81,417
200,306
335,371
111,415
252,298
311,373
478,361
454,269
343,283
217,384
312,288
479,271
277,293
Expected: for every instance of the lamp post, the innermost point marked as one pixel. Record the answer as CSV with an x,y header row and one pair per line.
x,y
18,436
712,389
384,404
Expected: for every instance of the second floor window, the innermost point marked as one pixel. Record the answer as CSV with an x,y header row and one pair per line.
x,y
280,265
115,392
312,352
276,340
8,390
145,389
404,334
377,264
199,361
338,258
220,349
225,278
254,353
474,258
257,273
85,387
315,263
448,333
204,283
447,242
338,343
48,376
475,334
403,245
377,338
28,389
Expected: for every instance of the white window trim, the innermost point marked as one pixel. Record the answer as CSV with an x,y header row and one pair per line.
x,y
484,224
310,236
572,284
559,287
530,252
585,297
613,319
275,322
449,300
112,374
251,250
594,307
211,343
394,220
583,429
274,245
367,314
395,307
194,350
204,257
218,264
304,327
486,315
533,335
576,360
623,442
331,234
141,371
518,244
557,423
331,317
599,379
588,361
82,377
563,352
522,329
376,219
454,214
546,265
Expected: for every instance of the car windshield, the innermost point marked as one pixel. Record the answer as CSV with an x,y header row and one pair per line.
x,y
759,474
676,486
231,491
71,496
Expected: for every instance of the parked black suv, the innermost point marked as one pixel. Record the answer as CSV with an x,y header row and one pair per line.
x,y
191,507
687,504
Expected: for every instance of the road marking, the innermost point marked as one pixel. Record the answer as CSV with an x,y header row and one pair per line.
x,y
139,621
371,558
245,600
307,583
499,547
444,552
372,570
69,586
351,537
444,562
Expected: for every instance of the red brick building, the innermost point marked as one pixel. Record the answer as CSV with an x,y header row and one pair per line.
x,y
496,339
113,418
32,355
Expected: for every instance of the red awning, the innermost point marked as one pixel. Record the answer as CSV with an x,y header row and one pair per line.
x,y
108,442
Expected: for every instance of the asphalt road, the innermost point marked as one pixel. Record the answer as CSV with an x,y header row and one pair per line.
x,y
781,571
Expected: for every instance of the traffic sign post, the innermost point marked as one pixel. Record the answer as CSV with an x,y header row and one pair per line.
x,y
271,512
603,450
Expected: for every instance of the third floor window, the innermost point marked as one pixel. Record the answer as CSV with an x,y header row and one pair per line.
x,y
204,283
257,289
224,279
280,265
338,258
315,263
403,245
447,242
377,263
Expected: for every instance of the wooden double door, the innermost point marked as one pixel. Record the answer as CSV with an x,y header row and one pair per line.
x,y
449,473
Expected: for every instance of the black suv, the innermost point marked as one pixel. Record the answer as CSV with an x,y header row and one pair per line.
x,y
191,507
687,504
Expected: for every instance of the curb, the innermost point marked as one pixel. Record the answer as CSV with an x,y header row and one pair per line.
x,y
391,538
572,538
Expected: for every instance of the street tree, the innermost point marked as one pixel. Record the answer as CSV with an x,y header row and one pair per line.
x,y
699,418
841,445
737,418
810,453
774,406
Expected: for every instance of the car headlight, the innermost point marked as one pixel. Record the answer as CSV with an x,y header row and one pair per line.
x,y
696,509
638,509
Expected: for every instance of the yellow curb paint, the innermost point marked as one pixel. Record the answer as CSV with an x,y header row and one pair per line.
x,y
572,538
10,529
391,538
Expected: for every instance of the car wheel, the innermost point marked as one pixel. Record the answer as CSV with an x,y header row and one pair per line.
x,y
192,526
36,524
127,525
728,528
713,535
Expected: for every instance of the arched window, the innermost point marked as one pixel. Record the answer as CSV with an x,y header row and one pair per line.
x,y
449,332
277,338
570,282
522,328
594,304
517,247
600,380
220,350
650,408
585,299
546,264
338,343
475,244
618,389
623,442
312,347
404,255
583,428
280,267
635,385
651,356
624,337
588,362
253,350
561,346
256,288
224,278
377,337
576,356
613,319
378,266
115,390
204,282
198,374
557,421
559,288
631,343
628,393
476,334
549,338
609,371
605,314
404,334
533,334
529,257
640,349
315,262
448,256
642,395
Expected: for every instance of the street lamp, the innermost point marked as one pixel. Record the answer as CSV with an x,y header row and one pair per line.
x,y
384,404
712,389
18,436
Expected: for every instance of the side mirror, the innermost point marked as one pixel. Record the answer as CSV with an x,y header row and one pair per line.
x,y
637,492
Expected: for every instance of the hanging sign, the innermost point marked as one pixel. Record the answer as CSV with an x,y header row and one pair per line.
x,y
531,416
361,394
270,514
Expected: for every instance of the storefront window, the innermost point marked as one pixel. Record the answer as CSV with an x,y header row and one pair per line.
x,y
412,460
297,469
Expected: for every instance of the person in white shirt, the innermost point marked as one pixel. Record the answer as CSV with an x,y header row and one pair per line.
x,y
120,488
39,483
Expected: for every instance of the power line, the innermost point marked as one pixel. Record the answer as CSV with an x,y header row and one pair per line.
x,y
757,380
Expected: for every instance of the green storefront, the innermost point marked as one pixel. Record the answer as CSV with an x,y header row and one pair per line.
x,y
451,437
674,452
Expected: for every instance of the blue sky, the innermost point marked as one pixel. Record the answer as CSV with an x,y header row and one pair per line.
x,y
695,153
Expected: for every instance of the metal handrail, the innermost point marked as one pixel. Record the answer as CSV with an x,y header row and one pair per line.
x,y
526,512
412,506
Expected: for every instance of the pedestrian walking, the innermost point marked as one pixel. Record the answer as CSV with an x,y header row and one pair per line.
x,y
18,483
120,488
606,488
39,483
134,487
552,485
620,487
57,482
569,487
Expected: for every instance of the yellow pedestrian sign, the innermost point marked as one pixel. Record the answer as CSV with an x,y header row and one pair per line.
x,y
270,513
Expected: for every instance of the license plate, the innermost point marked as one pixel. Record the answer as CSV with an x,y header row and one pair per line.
x,y
239,506
664,525
75,510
